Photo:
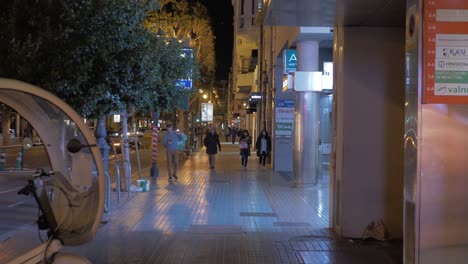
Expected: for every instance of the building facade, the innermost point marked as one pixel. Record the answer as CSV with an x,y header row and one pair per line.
x,y
390,128
244,79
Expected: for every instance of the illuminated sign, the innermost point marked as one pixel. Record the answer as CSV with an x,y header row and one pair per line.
x,y
445,52
305,81
288,82
255,97
290,61
284,118
186,83
207,112
327,77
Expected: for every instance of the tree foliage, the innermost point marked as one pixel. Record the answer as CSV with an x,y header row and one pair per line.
x,y
188,21
95,55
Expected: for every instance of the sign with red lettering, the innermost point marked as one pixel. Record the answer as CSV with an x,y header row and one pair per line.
x,y
445,52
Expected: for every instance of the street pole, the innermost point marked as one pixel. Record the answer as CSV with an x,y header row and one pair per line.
x,y
100,134
154,172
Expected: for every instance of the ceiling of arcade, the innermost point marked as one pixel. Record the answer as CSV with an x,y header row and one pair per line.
x,y
366,13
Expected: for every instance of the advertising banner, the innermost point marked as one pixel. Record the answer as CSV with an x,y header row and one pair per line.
x,y
207,112
284,118
445,52
290,61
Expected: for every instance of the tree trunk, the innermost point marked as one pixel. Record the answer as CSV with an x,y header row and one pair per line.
x,y
100,133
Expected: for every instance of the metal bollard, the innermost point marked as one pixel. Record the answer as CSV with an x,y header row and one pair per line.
x,y
3,159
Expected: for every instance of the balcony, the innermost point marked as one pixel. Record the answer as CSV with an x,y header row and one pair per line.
x,y
245,82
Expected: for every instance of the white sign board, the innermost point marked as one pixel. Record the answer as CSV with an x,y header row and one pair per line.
x,y
284,118
451,64
327,77
305,81
207,112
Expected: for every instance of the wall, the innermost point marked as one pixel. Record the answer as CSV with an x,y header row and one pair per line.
x,y
282,147
443,182
370,110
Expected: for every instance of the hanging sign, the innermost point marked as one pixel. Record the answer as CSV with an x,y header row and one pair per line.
x,y
290,61
186,83
207,112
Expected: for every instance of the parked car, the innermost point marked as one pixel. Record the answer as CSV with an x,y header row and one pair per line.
x,y
114,139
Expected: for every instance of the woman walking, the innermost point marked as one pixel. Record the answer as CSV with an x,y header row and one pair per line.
x,y
244,143
212,145
263,146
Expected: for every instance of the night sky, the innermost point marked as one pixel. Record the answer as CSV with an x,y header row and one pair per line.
x,y
221,12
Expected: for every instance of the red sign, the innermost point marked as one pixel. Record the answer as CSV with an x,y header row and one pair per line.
x,y
445,52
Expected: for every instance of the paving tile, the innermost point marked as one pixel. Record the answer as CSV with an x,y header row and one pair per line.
x,y
226,215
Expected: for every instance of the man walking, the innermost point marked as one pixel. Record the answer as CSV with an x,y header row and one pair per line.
x,y
233,134
170,141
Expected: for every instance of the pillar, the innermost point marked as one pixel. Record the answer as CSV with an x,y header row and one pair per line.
x,y
307,122
154,171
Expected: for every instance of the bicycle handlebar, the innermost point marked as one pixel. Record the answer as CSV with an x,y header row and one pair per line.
x,y
41,173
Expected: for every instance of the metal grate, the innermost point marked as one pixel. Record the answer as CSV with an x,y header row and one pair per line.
x,y
258,214
295,224
216,229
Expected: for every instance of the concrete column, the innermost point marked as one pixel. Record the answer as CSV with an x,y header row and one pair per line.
x,y
307,119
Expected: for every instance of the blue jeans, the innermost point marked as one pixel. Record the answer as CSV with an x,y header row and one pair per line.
x,y
245,158
262,158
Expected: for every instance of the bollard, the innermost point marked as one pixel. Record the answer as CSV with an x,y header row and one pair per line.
x,y
3,159
19,160
154,154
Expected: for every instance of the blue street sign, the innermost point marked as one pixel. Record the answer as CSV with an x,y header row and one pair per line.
x,y
185,84
290,61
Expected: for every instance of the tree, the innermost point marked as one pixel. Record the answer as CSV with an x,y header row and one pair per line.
x,y
182,20
96,55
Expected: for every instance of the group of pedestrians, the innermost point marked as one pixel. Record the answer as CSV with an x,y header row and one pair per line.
x,y
262,145
232,132
213,145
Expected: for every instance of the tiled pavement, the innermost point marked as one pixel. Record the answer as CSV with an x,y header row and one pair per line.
x,y
227,215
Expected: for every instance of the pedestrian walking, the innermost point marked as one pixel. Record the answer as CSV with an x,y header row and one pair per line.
x,y
233,134
263,147
171,142
244,144
212,145
227,133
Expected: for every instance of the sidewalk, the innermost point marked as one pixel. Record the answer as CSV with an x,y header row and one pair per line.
x,y
227,215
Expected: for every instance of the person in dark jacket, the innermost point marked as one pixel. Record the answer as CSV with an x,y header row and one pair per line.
x,y
233,134
212,145
263,146
244,143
